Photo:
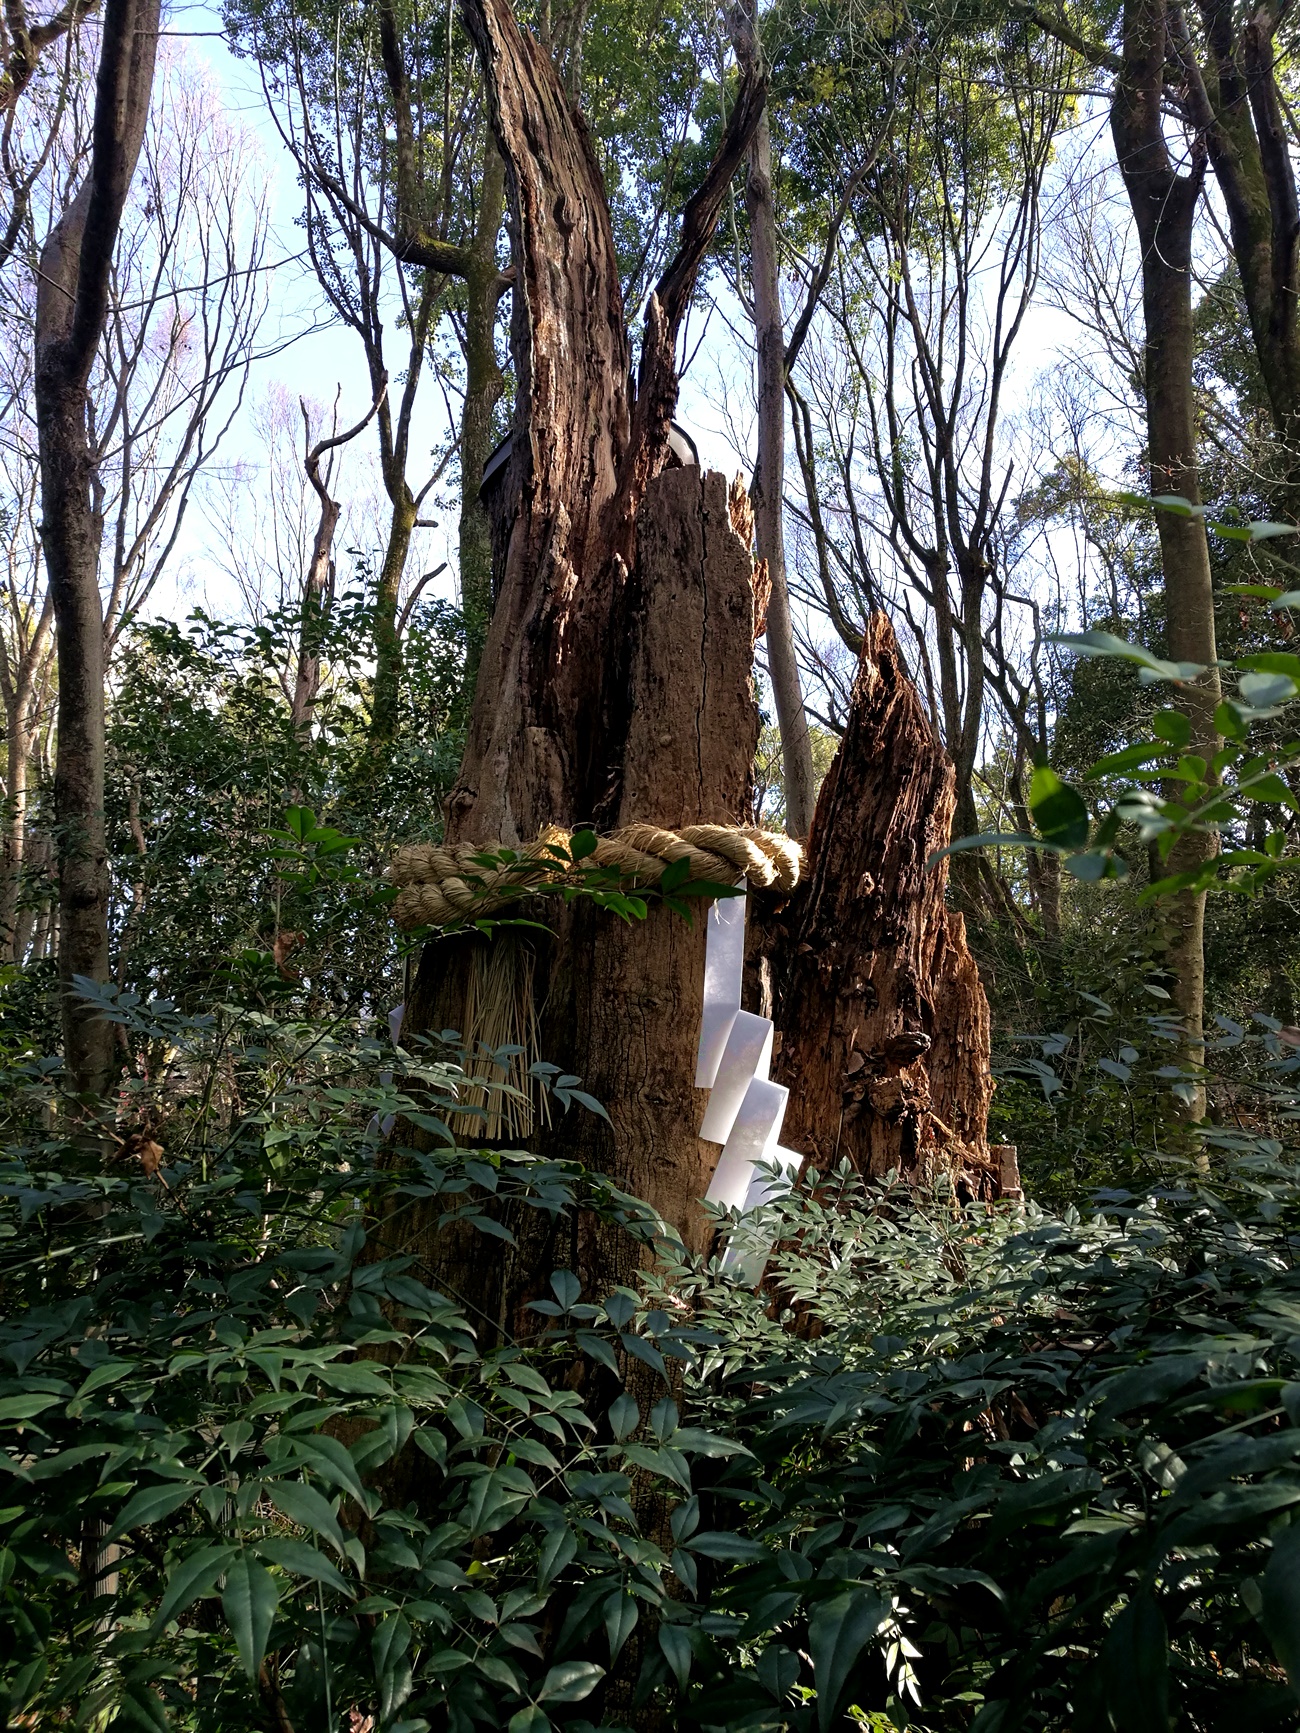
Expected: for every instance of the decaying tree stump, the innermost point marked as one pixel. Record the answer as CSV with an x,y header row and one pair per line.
x,y
882,1023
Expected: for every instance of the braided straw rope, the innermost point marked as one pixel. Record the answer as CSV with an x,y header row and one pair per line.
x,y
443,887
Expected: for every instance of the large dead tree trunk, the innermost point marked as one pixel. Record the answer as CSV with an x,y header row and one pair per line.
x,y
882,1021
615,682
620,1005
616,686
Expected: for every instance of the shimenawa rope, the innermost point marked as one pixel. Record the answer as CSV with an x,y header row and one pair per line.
x,y
445,886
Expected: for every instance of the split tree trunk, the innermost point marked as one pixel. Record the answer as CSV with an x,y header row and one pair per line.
x,y
615,685
883,1023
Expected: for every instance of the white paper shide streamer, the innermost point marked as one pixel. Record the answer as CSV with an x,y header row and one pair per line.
x,y
746,1108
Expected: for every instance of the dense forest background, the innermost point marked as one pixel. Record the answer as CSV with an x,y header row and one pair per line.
x,y
992,281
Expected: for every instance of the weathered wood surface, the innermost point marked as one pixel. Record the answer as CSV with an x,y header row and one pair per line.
x,y
882,1023
543,740
620,1005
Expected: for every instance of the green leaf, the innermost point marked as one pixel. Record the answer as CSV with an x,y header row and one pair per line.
x,y
532,1719
676,874
838,1631
353,1379
1095,865
676,1646
1281,1596
1059,811
582,844
152,1504
559,1549
1261,691
640,1349
715,1543
1271,789
26,1407
307,1507
570,1682
1135,1668
1130,758
1173,726
1272,662
624,1417
1230,721
388,1648
1106,644
249,1603
193,1576
597,1348
302,1560
1025,1500
620,1615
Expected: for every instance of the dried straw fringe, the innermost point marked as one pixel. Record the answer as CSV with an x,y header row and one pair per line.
x,y
500,1012
443,887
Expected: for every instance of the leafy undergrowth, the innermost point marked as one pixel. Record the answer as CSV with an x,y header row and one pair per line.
x,y
952,1469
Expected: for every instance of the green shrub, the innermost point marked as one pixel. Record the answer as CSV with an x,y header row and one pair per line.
x,y
953,1469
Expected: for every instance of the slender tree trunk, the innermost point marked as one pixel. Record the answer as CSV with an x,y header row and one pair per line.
x,y
1235,103
71,306
768,491
388,643
315,599
17,769
394,452
483,388
318,580
1164,210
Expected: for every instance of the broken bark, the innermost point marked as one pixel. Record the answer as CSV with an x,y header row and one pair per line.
x,y
881,1019
621,1005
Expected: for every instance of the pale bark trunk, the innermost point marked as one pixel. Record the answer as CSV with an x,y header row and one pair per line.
x,y
318,580
315,599
394,450
17,770
388,642
768,492
70,311
1164,210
